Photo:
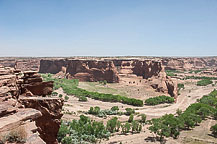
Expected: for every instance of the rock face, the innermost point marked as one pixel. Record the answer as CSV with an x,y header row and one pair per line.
x,y
112,70
39,117
22,64
189,63
84,70
32,83
148,71
49,122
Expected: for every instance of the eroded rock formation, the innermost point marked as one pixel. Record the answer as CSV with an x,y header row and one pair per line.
x,y
39,117
84,70
113,70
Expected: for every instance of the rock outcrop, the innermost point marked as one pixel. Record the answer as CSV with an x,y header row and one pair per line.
x,y
147,71
84,70
39,117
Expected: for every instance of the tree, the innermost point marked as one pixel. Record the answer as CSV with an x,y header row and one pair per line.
x,y
143,118
136,126
112,125
214,130
131,117
125,128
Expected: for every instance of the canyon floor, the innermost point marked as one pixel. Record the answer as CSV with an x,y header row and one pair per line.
x,y
199,135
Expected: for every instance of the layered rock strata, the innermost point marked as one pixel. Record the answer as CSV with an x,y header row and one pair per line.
x,y
38,117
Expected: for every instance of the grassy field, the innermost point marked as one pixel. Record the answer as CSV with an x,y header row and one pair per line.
x,y
96,87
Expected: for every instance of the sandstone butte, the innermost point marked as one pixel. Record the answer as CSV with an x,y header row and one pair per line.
x,y
22,105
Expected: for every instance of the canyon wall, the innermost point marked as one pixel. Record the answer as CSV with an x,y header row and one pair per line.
x,y
113,71
84,70
189,63
36,117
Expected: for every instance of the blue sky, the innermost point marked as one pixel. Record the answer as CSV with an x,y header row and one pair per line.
x,y
108,27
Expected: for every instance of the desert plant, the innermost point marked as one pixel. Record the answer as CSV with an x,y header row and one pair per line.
x,y
129,111
82,98
204,82
66,98
143,118
131,117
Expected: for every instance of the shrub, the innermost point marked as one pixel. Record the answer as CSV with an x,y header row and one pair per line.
x,y
125,128
54,93
214,130
82,98
83,130
94,111
143,118
136,127
129,111
115,108
113,125
204,82
60,95
66,98
131,117
159,100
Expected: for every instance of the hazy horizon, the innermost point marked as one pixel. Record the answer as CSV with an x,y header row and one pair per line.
x,y
54,28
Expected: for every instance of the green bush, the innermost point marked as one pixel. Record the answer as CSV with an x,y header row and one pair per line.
x,y
83,130
113,125
136,126
131,117
94,111
204,82
82,98
60,95
159,100
66,98
54,93
129,111
143,118
115,108
214,130
125,127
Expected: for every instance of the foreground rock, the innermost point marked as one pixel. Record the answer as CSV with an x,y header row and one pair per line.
x,y
36,118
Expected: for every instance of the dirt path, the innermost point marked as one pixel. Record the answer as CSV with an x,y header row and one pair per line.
x,y
187,97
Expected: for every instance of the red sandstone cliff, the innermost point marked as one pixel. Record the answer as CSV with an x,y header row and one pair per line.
x,y
38,117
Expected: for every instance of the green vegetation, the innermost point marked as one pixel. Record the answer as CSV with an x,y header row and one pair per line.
x,y
113,125
203,77
159,100
82,131
172,72
204,82
195,71
103,82
129,111
60,95
143,118
130,120
113,111
82,98
54,94
70,88
214,130
181,86
170,125
66,98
